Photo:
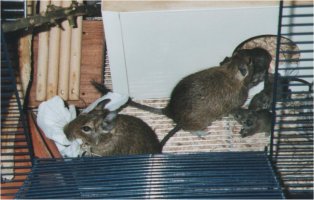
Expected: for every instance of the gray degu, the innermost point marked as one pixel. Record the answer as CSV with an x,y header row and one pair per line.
x,y
195,102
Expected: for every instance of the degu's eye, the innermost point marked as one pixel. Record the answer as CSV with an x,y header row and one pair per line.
x,y
243,70
86,129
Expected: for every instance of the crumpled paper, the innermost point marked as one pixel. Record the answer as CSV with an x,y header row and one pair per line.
x,y
116,101
51,118
53,115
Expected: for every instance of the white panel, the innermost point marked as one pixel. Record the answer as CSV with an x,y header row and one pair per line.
x,y
160,48
114,42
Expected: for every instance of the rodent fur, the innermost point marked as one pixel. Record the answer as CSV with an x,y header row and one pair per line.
x,y
108,133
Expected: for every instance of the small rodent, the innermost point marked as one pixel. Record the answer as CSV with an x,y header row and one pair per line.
x,y
108,133
260,60
203,97
253,121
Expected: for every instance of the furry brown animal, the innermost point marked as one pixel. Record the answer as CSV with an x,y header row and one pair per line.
x,y
253,121
259,57
203,97
108,133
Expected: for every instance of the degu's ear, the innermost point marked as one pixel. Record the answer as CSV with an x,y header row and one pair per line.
x,y
101,105
226,60
108,122
111,116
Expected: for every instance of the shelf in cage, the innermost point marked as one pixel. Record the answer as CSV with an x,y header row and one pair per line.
x,y
195,175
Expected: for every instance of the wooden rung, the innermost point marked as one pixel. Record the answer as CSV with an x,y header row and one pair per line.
x,y
53,60
43,38
65,50
75,66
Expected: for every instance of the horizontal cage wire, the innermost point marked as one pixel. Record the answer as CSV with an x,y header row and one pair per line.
x,y
202,175
16,155
292,154
228,167
16,150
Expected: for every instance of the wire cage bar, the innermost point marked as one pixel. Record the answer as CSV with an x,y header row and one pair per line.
x,y
12,10
292,143
244,175
16,149
202,175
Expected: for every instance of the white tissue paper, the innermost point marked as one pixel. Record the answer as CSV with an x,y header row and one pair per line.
x,y
51,118
116,101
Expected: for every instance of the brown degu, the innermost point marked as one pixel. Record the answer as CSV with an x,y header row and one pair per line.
x,y
203,97
253,121
107,133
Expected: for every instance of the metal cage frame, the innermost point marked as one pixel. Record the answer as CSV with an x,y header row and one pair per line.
x,y
291,145
193,175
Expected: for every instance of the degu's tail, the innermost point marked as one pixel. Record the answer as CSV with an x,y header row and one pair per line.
x,y
104,90
169,135
159,111
100,87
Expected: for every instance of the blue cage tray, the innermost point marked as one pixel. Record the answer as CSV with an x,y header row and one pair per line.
x,y
201,175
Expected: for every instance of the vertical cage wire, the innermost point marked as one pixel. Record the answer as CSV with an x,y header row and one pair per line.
x,y
291,148
16,148
56,172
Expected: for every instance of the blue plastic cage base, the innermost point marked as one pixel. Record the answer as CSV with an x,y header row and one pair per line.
x,y
197,175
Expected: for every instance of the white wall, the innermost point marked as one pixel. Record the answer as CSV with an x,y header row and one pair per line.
x,y
149,52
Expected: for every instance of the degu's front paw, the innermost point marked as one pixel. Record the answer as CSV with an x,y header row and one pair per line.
x,y
201,133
